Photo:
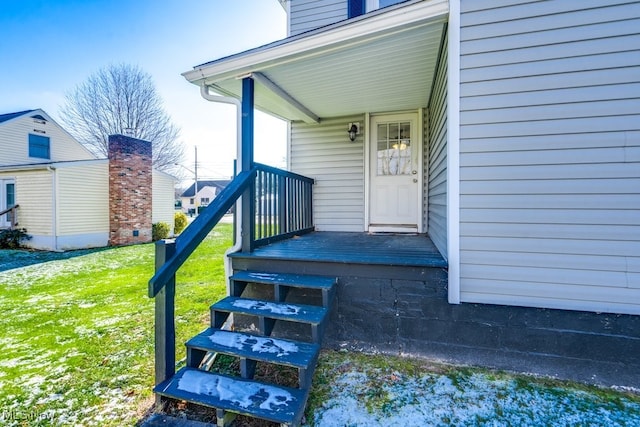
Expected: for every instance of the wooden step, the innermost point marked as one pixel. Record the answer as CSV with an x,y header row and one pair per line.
x,y
251,349
292,280
268,312
274,403
311,314
282,282
265,349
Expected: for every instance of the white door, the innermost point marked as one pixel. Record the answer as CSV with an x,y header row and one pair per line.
x,y
7,200
395,174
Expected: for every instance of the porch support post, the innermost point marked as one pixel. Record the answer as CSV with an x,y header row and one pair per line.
x,y
248,197
165,330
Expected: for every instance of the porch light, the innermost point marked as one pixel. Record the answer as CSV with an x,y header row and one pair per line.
x,y
353,131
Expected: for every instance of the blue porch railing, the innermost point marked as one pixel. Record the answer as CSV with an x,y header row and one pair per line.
x,y
282,206
276,205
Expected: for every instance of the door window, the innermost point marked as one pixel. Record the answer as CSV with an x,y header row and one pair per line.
x,y
394,148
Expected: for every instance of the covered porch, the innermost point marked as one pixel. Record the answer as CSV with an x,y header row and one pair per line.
x,y
384,249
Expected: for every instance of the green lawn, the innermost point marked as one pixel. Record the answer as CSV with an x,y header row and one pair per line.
x,y
77,349
77,341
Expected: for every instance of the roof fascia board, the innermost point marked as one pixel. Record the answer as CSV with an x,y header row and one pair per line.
x,y
46,165
345,35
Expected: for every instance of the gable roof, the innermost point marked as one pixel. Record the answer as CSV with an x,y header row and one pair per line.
x,y
220,184
39,115
9,116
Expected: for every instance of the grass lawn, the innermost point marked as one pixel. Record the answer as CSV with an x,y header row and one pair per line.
x,y
77,340
77,349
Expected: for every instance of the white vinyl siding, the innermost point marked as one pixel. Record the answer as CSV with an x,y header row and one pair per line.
x,y
34,194
306,15
83,198
163,199
550,154
324,152
14,141
437,213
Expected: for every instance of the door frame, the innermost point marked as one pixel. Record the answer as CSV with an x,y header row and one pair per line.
x,y
3,199
369,133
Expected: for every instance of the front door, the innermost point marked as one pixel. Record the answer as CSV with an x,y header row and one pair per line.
x,y
7,200
395,171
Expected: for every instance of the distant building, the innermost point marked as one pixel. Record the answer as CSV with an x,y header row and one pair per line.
x,y
207,191
68,198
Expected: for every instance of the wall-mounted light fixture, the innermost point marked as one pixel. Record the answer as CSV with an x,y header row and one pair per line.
x,y
354,130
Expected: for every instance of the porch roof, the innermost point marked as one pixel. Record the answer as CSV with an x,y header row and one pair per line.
x,y
381,61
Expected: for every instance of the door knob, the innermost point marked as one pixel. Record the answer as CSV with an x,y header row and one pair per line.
x,y
415,180
414,172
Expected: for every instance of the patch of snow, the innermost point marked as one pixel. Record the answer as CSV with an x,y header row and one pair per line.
x,y
109,321
263,275
257,344
87,305
362,399
241,393
267,306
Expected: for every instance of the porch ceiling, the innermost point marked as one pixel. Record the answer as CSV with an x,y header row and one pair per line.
x,y
382,62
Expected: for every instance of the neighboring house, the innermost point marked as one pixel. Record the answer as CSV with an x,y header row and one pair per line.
x,y
61,189
207,191
505,133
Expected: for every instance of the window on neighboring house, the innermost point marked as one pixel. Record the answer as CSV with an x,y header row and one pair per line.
x,y
191,200
39,146
204,201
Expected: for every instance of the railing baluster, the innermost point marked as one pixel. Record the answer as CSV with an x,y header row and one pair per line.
x,y
269,203
257,219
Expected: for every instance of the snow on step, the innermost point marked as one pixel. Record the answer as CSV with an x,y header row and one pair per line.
x,y
242,394
277,350
293,280
271,402
267,306
257,344
274,310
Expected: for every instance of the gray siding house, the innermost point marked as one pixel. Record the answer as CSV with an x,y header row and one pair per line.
x,y
500,137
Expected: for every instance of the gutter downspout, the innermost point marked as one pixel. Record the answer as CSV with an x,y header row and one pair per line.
x,y
204,92
54,208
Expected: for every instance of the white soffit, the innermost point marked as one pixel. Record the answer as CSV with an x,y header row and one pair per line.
x,y
381,63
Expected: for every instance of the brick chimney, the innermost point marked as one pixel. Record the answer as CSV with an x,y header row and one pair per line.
x,y
130,190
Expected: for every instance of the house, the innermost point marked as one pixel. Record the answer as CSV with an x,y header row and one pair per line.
x,y
207,191
474,187
62,191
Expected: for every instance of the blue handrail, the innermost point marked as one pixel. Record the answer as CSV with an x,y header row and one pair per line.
x,y
191,237
284,209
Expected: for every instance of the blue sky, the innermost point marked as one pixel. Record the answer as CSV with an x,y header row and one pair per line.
x,y
48,47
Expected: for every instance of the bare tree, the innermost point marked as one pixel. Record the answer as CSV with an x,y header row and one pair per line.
x,y
121,99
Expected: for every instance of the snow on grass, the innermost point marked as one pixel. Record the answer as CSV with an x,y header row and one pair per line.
x,y
366,395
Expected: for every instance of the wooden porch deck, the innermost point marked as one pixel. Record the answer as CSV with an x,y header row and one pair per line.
x,y
354,248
